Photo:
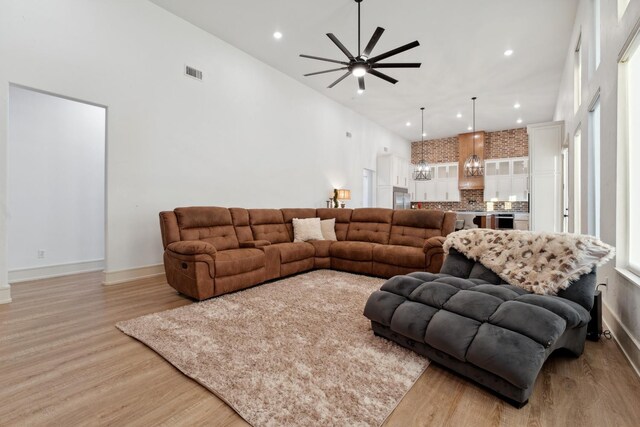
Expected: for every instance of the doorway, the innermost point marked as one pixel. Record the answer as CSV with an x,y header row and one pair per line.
x,y
368,179
55,185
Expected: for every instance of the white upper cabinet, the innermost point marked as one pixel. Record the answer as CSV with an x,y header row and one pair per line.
x,y
507,180
443,187
393,171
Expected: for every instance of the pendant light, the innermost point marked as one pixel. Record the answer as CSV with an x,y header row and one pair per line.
x,y
473,164
422,171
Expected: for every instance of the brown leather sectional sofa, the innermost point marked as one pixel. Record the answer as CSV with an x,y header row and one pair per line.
x,y
210,251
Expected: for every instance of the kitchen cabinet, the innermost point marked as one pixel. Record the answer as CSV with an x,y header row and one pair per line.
x,y
393,171
545,146
507,180
521,221
443,187
425,191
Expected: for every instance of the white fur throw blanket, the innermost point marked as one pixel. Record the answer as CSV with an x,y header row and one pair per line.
x,y
543,263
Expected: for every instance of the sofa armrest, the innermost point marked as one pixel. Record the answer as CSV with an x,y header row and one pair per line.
x,y
192,247
254,243
434,253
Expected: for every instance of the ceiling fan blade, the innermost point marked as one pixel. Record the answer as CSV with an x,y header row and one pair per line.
x,y
325,71
339,80
361,83
397,65
394,51
383,76
324,59
372,43
340,45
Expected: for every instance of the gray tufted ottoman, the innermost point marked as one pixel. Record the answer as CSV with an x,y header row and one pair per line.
x,y
468,320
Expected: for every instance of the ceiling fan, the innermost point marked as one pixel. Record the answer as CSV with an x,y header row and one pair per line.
x,y
362,63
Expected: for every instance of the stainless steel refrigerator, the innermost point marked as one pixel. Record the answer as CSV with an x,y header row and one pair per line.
x,y
401,198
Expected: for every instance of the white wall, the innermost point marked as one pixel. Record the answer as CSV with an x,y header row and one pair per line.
x,y
622,297
247,135
55,197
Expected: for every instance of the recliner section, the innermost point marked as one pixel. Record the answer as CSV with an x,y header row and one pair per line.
x,y
210,251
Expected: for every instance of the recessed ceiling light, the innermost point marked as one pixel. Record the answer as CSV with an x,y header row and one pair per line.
x,y
519,121
408,123
277,35
459,115
516,105
360,91
469,128
508,52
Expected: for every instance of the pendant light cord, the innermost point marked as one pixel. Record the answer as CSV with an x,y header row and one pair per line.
x,y
422,145
474,125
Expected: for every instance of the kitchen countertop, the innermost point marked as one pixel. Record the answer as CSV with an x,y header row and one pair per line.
x,y
523,216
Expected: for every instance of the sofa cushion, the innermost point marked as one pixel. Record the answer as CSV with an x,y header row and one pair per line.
x,y
414,227
238,261
403,256
322,247
290,252
354,251
209,224
370,225
240,218
342,217
268,224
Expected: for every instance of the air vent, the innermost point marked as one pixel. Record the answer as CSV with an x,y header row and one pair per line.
x,y
193,72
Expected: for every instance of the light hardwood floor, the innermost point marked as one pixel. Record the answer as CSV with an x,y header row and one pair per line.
x,y
62,362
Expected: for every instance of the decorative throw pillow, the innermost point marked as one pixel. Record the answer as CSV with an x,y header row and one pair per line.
x,y
328,227
306,229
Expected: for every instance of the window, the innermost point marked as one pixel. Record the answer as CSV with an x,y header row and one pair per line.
x,y
629,155
594,167
577,182
633,133
596,32
577,76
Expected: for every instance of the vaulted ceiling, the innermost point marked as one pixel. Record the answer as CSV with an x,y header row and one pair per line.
x,y
462,45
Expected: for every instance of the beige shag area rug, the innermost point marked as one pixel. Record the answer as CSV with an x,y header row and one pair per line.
x,y
296,352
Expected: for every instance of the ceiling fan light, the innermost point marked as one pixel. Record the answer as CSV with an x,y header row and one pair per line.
x,y
359,70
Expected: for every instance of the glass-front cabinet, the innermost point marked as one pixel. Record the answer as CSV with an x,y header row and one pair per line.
x,y
506,179
443,187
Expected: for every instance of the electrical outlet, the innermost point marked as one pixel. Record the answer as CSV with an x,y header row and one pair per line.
x,y
41,253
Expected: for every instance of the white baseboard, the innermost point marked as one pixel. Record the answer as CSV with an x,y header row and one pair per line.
x,y
630,347
5,295
49,271
122,276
